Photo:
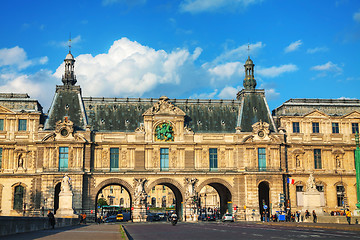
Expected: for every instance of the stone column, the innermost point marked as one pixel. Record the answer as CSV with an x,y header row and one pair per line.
x,y
357,167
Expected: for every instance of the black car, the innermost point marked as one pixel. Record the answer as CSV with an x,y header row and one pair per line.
x,y
211,217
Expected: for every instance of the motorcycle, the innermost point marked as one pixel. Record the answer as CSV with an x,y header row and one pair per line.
x,y
173,220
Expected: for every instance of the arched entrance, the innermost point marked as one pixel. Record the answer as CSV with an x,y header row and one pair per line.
x,y
223,190
56,197
176,189
116,192
264,200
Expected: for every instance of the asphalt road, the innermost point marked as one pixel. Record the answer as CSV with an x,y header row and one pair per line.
x,y
228,231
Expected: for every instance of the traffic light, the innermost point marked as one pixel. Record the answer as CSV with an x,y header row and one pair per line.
x,y
282,197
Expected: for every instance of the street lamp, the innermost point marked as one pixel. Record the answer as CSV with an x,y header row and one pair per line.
x,y
205,206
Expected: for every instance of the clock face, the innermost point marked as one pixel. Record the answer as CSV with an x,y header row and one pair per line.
x,y
64,132
261,134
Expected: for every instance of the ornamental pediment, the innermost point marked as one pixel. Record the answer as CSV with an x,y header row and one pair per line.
x,y
352,115
316,114
5,110
164,107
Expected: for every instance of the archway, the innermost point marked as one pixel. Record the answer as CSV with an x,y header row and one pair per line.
x,y
223,190
264,199
56,197
175,198
113,196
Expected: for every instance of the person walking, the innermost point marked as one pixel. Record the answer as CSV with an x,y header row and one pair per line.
x,y
348,216
314,216
51,219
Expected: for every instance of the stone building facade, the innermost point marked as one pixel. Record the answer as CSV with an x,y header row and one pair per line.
x,y
235,146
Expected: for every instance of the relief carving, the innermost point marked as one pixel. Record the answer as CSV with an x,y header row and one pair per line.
x,y
173,158
155,159
190,188
105,157
124,158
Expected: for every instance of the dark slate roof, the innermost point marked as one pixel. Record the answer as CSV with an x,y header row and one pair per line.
x,y
67,102
125,114
253,109
303,106
19,102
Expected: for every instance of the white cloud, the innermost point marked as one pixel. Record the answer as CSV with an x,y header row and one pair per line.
x,y
16,57
226,70
228,92
73,42
130,69
356,16
327,67
274,71
293,46
197,6
271,94
205,95
238,53
317,49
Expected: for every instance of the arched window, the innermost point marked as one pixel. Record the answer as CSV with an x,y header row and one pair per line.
x,y
163,204
122,202
299,195
153,202
18,197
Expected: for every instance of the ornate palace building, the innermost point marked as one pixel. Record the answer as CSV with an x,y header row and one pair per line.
x,y
237,147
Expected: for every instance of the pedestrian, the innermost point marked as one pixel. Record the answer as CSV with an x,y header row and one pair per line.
x,y
314,216
81,218
84,218
51,219
307,214
348,216
298,216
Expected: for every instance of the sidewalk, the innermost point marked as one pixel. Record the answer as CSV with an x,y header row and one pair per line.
x,y
334,226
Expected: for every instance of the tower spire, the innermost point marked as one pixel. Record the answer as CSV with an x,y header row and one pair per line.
x,y
69,78
249,80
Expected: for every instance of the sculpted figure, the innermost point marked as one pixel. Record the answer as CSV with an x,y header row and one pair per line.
x,y
139,193
310,185
20,161
66,184
190,187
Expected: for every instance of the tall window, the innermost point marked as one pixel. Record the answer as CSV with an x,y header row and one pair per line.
x,y
335,127
121,202
153,202
153,189
355,127
340,193
111,189
213,159
299,195
1,124
114,159
315,127
1,157
262,159
63,158
317,158
18,197
164,159
22,124
296,127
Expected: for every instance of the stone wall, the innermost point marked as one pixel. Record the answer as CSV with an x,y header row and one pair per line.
x,y
13,225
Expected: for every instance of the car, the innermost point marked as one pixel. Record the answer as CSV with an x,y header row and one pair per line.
x,y
111,218
228,217
211,217
119,217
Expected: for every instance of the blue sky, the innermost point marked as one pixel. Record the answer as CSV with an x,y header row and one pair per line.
x,y
182,48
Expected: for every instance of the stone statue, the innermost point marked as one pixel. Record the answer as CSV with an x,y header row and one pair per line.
x,y
190,187
297,161
20,161
139,193
310,184
338,162
66,184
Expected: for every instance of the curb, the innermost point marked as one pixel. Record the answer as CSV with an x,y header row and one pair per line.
x,y
126,233
340,227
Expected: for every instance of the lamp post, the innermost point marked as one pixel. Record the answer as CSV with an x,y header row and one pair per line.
x,y
205,207
357,167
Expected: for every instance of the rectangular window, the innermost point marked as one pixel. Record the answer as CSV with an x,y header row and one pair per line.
x,y
355,128
114,159
22,124
164,159
340,193
0,158
315,127
317,158
262,159
213,159
296,127
63,158
335,127
299,188
1,124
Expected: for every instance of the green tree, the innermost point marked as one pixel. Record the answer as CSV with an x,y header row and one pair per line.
x,y
102,202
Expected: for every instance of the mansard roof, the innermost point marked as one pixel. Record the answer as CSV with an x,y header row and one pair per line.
x,y
19,102
126,114
331,107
